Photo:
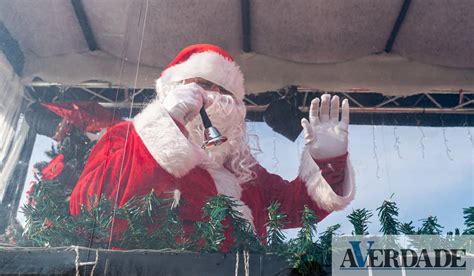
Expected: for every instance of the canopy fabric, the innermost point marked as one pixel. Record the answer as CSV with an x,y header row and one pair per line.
x,y
327,45
13,131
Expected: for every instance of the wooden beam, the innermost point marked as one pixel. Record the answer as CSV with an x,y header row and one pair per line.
x,y
396,27
84,23
246,45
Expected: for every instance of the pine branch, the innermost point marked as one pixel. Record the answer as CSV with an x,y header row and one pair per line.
x,y
40,165
52,152
47,215
468,220
220,213
135,231
212,230
139,212
94,222
275,224
302,253
152,224
170,233
388,216
430,226
407,228
324,244
359,218
308,225
457,232
151,205
13,233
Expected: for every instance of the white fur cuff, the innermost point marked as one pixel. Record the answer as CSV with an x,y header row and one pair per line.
x,y
165,141
319,189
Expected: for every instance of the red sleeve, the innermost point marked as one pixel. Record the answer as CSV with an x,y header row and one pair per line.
x,y
333,170
118,167
100,168
294,195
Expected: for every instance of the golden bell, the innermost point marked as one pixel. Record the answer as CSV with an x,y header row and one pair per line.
x,y
212,137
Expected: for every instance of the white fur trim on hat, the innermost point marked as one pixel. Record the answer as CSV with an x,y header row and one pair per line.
x,y
318,188
165,141
210,66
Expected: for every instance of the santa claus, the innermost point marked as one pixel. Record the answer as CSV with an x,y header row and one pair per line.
x,y
160,149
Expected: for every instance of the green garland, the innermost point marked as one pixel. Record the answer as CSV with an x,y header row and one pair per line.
x,y
275,224
359,218
468,220
305,253
151,223
388,214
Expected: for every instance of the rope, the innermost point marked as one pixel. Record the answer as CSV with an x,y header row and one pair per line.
x,y
122,68
78,264
236,263
247,262
96,261
128,126
76,248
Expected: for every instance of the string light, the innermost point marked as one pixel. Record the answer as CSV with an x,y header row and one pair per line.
x,y
276,162
298,145
387,167
469,135
375,156
423,136
252,138
397,141
448,150
445,139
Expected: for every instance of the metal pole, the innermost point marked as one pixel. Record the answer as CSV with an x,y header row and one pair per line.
x,y
262,108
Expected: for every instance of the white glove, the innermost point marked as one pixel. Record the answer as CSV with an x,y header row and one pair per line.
x,y
184,103
326,136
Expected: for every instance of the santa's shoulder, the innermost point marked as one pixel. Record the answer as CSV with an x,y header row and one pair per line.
x,y
118,132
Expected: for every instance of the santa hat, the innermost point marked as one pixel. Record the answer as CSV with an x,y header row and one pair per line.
x,y
205,61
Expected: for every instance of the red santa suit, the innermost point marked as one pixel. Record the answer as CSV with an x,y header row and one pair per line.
x,y
153,153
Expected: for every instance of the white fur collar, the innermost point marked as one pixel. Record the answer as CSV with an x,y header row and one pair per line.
x,y
177,155
227,184
165,141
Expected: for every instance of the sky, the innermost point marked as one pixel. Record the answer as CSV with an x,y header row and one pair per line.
x,y
429,170
429,174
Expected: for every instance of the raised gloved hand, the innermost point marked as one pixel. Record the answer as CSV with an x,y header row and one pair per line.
x,y
325,135
184,103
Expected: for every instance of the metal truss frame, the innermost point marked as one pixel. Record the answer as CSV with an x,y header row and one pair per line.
x,y
433,108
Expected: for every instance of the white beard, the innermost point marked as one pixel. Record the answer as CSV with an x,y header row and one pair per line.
x,y
228,116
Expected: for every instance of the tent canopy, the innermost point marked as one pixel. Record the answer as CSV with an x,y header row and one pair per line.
x,y
326,45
